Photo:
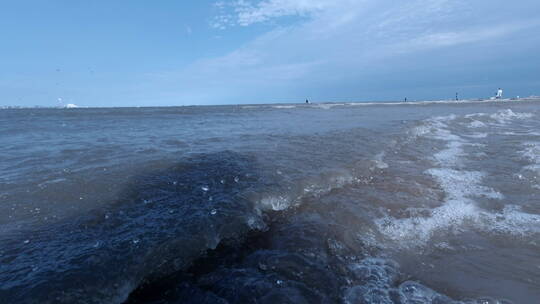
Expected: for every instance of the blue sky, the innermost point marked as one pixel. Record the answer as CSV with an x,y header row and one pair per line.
x,y
153,53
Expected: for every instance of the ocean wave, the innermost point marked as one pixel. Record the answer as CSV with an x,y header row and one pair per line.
x,y
476,124
162,222
531,152
377,280
500,117
504,116
460,187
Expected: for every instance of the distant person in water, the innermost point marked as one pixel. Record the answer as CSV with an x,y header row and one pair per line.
x,y
499,93
405,99
307,101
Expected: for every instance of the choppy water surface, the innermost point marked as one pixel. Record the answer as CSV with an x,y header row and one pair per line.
x,y
401,203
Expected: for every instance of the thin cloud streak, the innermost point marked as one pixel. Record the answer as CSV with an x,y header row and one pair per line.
x,y
337,41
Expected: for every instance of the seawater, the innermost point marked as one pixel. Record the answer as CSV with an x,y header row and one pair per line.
x,y
321,203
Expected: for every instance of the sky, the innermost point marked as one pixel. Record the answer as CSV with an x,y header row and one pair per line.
x,y
172,53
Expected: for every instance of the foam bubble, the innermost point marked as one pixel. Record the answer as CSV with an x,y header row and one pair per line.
x,y
532,152
461,184
451,155
512,220
379,163
377,281
418,293
375,278
276,203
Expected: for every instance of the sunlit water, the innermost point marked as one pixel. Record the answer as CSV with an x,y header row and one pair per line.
x,y
394,203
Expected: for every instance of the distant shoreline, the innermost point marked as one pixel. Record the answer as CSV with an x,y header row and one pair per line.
x,y
299,104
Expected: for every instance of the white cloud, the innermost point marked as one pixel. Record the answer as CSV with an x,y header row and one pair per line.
x,y
470,35
339,41
249,14
354,32
245,12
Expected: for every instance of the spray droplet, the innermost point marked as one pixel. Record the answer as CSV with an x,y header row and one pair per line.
x,y
205,188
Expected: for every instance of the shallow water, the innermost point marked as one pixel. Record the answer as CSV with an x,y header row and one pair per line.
x,y
346,203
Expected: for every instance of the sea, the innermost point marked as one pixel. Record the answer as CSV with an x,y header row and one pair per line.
x,y
419,202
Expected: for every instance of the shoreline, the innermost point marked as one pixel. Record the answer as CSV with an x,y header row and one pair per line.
x,y
294,105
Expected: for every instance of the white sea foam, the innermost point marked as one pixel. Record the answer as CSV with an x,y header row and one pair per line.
x,y
379,162
451,155
463,185
435,127
500,117
276,203
476,124
438,129
528,133
504,116
326,183
419,230
475,115
477,135
531,152
460,187
512,220
284,107
328,106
